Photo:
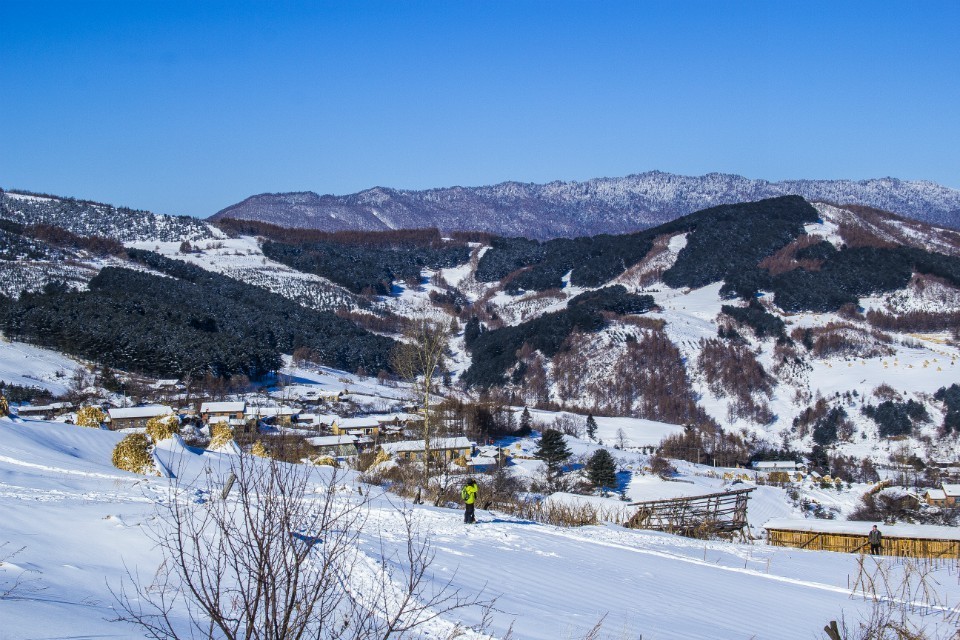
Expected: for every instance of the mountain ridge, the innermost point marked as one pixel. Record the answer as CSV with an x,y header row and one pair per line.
x,y
572,209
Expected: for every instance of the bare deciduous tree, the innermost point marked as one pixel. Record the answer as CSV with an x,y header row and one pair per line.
x,y
420,358
279,558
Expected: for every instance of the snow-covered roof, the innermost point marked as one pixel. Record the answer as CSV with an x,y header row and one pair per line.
x,y
399,416
150,411
223,407
268,412
331,441
936,494
43,407
924,531
357,423
417,445
160,384
952,490
768,465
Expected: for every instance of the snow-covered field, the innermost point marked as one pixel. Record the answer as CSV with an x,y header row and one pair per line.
x,y
81,524
30,366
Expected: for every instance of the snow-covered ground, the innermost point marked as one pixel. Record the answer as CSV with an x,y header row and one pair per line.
x,y
82,524
30,366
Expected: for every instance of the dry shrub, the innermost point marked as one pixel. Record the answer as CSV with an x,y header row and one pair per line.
x,y
785,259
842,338
259,450
4,406
133,454
220,434
643,322
857,236
162,427
91,417
324,461
732,369
557,514
914,321
648,380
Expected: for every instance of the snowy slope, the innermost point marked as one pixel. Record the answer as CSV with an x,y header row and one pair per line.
x,y
82,523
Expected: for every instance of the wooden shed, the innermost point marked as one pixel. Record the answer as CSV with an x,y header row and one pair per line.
x,y
907,540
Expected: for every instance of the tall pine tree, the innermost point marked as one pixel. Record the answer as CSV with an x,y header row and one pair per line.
x,y
553,450
526,423
591,427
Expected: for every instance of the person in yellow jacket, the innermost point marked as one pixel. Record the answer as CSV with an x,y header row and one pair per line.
x,y
469,495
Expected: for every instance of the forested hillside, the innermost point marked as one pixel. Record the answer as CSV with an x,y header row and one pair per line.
x,y
190,323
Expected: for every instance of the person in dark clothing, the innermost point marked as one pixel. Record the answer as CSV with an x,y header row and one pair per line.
x,y
875,538
469,495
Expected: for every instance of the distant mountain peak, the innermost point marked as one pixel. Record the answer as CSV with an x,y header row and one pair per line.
x,y
572,208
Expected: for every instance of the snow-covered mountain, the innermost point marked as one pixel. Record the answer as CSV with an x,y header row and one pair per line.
x,y
845,289
571,209
85,218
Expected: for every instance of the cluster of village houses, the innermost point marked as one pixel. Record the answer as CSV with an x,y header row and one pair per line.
x,y
947,496
331,435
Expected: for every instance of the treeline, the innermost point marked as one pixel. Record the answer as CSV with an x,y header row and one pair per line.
x,y
896,418
845,276
190,324
370,263
495,352
722,240
727,240
920,321
950,397
429,237
762,322
535,266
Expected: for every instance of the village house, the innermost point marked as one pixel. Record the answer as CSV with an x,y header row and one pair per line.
x,y
445,449
231,412
135,417
274,415
947,496
788,466
335,446
45,411
356,427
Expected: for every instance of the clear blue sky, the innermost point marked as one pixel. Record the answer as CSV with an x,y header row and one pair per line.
x,y
187,107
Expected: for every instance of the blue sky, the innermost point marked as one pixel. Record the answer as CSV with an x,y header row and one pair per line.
x,y
187,107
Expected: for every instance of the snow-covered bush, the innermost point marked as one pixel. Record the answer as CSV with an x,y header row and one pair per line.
x,y
162,427
91,417
133,454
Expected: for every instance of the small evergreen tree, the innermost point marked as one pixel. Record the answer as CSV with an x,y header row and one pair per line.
x,y
553,450
526,423
602,470
591,427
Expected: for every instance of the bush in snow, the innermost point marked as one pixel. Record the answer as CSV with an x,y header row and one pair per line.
x,y
324,461
220,434
133,454
4,406
259,450
91,417
162,427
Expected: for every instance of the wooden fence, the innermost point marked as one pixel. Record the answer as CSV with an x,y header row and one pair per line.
x,y
857,543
